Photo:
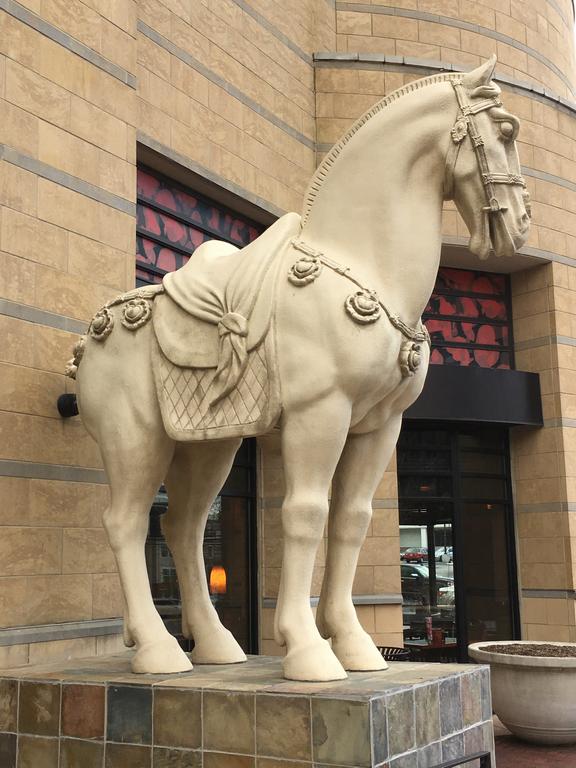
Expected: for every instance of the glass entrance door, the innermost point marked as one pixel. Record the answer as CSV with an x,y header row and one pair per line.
x,y
456,539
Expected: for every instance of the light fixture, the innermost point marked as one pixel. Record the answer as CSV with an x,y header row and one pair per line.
x,y
217,580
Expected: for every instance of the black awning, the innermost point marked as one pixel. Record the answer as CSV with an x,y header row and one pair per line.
x,y
458,393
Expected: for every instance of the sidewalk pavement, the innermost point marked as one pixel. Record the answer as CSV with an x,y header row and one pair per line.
x,y
513,753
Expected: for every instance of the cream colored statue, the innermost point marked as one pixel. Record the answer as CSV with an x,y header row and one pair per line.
x,y
314,328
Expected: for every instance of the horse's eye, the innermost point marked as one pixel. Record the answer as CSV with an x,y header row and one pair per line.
x,y
507,129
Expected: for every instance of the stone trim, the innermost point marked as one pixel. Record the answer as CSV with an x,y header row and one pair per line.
x,y
543,506
207,174
184,56
392,63
263,21
448,21
67,180
43,633
560,422
550,177
66,41
527,250
543,341
36,471
559,594
383,599
41,317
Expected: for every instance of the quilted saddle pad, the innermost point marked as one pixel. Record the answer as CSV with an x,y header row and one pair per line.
x,y
252,408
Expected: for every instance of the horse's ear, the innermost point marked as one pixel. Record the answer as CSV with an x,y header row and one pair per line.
x,y
481,75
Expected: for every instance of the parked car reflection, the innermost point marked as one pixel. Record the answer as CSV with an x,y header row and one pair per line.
x,y
414,555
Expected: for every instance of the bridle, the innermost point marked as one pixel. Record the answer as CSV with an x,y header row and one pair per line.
x,y
466,125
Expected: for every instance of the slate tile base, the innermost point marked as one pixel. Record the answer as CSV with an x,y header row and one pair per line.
x,y
94,713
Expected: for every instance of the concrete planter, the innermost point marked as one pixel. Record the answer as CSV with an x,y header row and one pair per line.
x,y
535,698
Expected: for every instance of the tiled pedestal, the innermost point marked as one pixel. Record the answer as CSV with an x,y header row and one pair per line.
x,y
94,713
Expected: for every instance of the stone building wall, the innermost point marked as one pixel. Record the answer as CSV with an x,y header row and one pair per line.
x,y
229,91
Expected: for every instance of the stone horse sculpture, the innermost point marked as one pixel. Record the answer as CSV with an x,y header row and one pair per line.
x,y
315,328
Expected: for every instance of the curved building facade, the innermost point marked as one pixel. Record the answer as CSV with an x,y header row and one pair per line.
x,y
135,130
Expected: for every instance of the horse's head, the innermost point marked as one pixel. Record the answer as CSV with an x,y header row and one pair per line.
x,y
483,174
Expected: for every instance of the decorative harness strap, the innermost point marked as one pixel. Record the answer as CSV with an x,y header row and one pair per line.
x,y
466,124
363,306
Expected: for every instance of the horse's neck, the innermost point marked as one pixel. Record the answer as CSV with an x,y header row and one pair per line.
x,y
378,210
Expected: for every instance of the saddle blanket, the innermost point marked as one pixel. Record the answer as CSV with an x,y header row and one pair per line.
x,y
186,402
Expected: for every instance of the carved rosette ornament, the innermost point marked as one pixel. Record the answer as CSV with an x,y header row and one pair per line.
x,y
102,324
410,358
363,306
135,313
459,130
305,270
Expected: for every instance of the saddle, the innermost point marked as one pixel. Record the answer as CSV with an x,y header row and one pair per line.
x,y
218,306
214,358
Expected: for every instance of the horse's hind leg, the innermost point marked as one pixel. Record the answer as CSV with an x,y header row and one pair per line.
x,y
312,440
359,471
196,475
136,461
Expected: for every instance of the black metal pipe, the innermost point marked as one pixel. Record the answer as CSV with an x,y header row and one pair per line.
x,y
67,406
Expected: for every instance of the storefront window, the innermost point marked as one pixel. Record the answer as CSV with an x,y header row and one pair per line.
x,y
469,319
171,223
456,539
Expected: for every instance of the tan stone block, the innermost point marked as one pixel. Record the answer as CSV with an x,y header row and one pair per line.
x,y
267,623
58,598
352,23
53,441
12,656
440,7
271,582
119,47
17,341
388,618
385,522
62,650
534,610
75,18
111,95
271,648
272,553
30,551
86,550
477,43
154,123
48,347
34,240
37,95
18,188
17,278
106,596
547,633
418,49
28,390
63,67
102,129
186,79
14,500
67,504
122,13
387,579
363,580
109,644
19,129
380,550
539,524
365,615
388,487
476,13
558,611
388,639
351,105
61,150
542,550
537,466
117,176
395,27
544,576
19,42
88,258
438,34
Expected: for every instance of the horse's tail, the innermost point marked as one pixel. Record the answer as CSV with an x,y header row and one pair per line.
x,y
74,362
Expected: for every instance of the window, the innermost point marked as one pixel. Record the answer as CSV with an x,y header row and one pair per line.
x,y
172,222
469,319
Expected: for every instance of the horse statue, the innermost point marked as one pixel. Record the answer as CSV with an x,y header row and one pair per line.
x,y
313,328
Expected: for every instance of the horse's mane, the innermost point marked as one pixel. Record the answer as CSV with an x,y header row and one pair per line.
x,y
326,164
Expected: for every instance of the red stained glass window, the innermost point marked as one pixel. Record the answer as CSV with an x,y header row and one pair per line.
x,y
172,222
468,318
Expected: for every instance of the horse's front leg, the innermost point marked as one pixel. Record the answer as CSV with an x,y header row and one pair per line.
x,y
312,440
363,462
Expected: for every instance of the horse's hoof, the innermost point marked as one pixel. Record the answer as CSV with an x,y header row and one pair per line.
x,y
219,648
161,658
357,652
313,663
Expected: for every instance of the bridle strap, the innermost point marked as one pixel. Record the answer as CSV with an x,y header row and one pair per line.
x,y
466,124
